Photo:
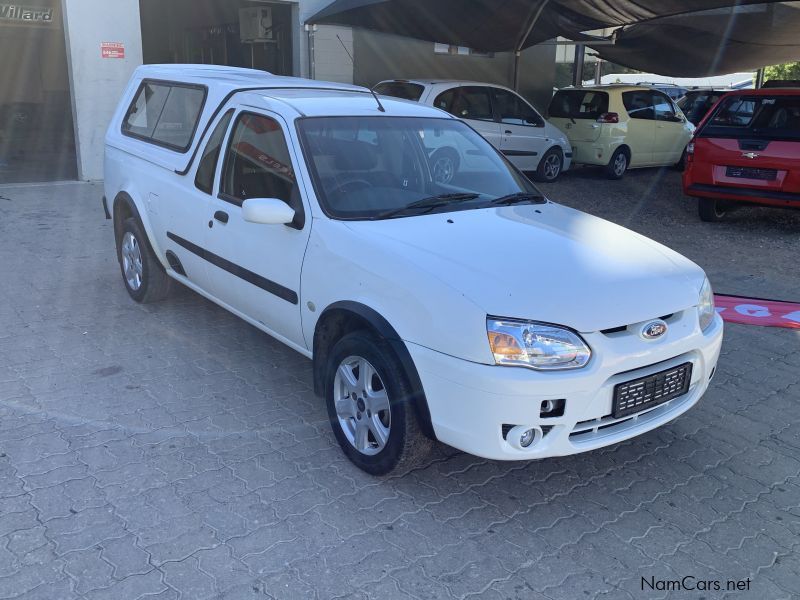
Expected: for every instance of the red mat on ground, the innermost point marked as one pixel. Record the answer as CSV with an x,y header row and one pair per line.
x,y
756,311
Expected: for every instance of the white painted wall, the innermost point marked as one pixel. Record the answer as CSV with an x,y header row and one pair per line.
x,y
96,83
332,57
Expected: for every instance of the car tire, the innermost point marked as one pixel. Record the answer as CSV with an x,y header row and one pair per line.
x,y
444,165
616,167
366,392
143,275
711,210
551,166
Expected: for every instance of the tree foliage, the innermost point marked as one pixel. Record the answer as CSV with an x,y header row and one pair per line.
x,y
784,71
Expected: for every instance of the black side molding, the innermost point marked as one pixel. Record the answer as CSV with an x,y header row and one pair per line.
x,y
519,153
255,279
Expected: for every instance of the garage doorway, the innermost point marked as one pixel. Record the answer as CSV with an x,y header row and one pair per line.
x,y
238,33
37,142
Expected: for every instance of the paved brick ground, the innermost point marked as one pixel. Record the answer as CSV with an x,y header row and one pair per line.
x,y
172,451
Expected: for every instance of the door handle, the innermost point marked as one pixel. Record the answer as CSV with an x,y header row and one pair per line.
x,y
221,216
509,132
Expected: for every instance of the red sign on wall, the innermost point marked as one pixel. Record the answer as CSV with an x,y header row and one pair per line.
x,y
112,50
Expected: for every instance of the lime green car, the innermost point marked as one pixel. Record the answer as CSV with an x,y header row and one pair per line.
x,y
621,127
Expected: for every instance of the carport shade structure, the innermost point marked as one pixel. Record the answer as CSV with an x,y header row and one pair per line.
x,y
505,25
723,40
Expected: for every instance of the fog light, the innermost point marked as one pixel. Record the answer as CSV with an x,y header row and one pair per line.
x,y
526,439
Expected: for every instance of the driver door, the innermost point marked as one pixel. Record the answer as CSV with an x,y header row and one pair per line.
x,y
255,268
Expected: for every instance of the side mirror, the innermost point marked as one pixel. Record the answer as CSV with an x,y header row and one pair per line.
x,y
267,211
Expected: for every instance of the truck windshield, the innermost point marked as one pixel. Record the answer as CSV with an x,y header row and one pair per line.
x,y
757,117
377,167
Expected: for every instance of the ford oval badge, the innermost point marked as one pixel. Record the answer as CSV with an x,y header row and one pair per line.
x,y
654,330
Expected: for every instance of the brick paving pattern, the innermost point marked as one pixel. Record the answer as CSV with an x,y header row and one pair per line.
x,y
172,451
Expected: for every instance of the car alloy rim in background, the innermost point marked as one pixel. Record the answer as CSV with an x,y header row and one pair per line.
x,y
362,405
620,163
132,261
552,166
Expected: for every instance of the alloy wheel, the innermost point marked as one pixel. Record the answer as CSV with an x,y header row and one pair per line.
x,y
620,164
552,166
362,405
132,261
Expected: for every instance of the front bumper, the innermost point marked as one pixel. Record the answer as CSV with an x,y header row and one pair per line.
x,y
471,403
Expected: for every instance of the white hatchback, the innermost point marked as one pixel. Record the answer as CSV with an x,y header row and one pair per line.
x,y
475,312
499,114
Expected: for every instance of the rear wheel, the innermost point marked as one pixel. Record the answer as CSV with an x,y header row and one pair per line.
x,y
711,210
616,167
368,400
142,273
550,166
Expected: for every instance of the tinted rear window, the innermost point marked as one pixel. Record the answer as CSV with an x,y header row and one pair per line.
x,y
765,117
400,89
165,113
578,104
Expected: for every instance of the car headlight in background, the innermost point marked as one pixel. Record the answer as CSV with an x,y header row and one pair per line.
x,y
705,308
535,345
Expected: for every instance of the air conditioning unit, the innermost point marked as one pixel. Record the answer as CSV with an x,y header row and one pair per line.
x,y
255,24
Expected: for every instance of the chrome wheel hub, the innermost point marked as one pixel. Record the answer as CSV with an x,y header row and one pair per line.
x,y
362,405
132,261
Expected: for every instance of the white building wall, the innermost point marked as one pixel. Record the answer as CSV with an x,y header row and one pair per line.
x,y
97,83
333,47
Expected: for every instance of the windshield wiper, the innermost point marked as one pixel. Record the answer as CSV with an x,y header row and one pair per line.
x,y
519,198
426,204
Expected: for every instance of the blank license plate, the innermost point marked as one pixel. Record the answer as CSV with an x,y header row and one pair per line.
x,y
641,394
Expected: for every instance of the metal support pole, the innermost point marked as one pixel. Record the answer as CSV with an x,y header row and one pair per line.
x,y
577,72
598,71
524,38
759,78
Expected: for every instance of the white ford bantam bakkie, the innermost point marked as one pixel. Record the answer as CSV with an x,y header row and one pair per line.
x,y
474,312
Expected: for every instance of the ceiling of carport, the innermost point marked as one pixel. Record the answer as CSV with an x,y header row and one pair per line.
x,y
711,42
502,25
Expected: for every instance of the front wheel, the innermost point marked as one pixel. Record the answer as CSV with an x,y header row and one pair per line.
x,y
711,210
144,277
618,164
550,166
369,405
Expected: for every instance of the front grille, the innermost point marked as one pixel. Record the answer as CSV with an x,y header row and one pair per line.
x,y
645,392
752,173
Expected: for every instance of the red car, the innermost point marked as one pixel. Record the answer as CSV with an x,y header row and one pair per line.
x,y
746,151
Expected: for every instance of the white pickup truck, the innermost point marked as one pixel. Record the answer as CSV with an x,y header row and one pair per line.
x,y
474,312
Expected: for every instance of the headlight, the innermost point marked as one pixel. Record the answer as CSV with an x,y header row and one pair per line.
x,y
705,307
535,345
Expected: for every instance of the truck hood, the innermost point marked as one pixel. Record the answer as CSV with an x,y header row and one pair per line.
x,y
542,262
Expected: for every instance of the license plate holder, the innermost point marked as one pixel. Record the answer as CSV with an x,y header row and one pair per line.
x,y
643,393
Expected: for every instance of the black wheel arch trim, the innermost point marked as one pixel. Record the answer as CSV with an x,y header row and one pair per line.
x,y
383,328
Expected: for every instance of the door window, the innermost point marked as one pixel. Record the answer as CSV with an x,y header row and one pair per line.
x,y
471,102
257,163
204,180
664,109
639,104
513,110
